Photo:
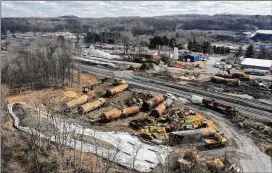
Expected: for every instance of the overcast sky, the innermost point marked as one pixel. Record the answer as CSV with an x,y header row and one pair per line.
x,y
130,8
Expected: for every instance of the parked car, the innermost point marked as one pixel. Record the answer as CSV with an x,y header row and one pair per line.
x,y
216,65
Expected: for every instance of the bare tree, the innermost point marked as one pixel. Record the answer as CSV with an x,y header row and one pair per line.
x,y
127,38
45,63
136,149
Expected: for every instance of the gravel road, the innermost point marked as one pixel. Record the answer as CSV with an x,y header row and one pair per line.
x,y
252,159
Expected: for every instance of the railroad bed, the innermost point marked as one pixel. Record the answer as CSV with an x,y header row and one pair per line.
x,y
248,107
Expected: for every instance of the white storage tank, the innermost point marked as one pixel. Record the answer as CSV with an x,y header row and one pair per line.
x,y
175,53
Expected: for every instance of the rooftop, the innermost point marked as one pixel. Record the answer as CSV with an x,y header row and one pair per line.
x,y
264,32
257,62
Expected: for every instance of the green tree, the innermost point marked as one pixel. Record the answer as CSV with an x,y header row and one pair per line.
x,y
165,40
92,37
214,49
190,45
240,52
206,46
250,51
172,42
198,47
263,54
194,45
157,40
222,50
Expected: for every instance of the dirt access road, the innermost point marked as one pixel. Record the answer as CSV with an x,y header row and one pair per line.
x,y
252,159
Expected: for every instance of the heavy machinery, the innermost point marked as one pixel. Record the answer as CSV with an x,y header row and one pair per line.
x,y
215,140
220,107
86,89
117,82
189,158
241,75
188,125
149,131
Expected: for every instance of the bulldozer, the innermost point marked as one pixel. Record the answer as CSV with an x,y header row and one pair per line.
x,y
215,140
149,131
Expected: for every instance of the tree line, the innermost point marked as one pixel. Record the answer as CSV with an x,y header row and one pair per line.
x,y
138,25
251,52
206,47
164,41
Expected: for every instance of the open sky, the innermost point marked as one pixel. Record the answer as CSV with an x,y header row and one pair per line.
x,y
130,8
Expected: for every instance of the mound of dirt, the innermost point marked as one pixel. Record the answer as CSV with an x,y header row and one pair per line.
x,y
148,66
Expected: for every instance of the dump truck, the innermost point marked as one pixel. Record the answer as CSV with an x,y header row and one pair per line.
x,y
215,140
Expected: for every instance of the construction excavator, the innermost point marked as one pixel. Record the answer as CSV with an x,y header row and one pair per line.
x,y
215,140
188,125
241,75
150,131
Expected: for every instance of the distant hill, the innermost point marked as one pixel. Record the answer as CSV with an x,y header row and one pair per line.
x,y
139,25
69,17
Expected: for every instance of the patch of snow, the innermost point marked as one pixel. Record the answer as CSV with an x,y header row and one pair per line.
x,y
102,54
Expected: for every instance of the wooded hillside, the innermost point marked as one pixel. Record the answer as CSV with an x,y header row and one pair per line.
x,y
138,25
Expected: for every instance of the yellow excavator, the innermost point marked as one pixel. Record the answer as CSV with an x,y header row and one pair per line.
x,y
215,140
189,125
242,75
150,131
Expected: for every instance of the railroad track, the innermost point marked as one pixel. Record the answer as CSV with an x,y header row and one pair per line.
x,y
253,109
214,94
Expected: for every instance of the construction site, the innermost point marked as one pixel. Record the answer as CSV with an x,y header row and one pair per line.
x,y
93,100
145,130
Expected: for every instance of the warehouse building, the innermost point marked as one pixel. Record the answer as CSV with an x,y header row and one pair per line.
x,y
257,64
193,57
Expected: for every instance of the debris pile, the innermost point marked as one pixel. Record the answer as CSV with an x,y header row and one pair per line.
x,y
137,99
148,66
102,54
221,80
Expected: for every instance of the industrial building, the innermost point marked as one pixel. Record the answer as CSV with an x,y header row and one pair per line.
x,y
263,35
192,57
258,64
